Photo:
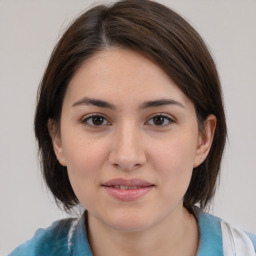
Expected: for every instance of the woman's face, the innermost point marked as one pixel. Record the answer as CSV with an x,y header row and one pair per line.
x,y
129,138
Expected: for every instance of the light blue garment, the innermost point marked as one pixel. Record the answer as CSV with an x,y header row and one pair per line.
x,y
69,237
210,235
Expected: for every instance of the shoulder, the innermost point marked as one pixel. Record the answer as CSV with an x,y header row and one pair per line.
x,y
253,238
210,243
237,240
46,242
227,238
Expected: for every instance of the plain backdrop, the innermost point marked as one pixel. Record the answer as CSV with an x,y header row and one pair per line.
x,y
29,30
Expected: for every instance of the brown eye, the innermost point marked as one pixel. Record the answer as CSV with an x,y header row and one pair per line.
x,y
98,120
160,120
95,120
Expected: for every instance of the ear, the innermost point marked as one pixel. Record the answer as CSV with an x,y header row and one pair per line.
x,y
205,139
56,141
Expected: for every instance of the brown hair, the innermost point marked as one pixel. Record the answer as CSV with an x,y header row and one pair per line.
x,y
158,33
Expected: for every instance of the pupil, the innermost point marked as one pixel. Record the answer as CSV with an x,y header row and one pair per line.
x,y
97,120
158,120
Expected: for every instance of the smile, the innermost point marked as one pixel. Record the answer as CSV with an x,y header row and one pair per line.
x,y
127,190
126,187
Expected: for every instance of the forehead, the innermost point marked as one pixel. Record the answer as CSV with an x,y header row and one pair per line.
x,y
118,73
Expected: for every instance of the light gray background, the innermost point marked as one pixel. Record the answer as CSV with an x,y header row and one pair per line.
x,y
29,30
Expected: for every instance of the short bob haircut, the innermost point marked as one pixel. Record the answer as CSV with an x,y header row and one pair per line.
x,y
159,34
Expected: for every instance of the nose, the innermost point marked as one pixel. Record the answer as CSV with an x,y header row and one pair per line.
x,y
127,149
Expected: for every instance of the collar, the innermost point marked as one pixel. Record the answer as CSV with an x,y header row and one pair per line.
x,y
210,243
80,239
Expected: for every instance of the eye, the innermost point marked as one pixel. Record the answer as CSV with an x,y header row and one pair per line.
x,y
95,120
160,120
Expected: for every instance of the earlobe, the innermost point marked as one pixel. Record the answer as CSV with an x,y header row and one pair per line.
x,y
56,141
205,139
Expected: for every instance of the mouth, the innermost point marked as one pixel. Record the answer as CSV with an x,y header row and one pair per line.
x,y
122,187
127,190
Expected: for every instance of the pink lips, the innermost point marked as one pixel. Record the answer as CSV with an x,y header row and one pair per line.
x,y
127,190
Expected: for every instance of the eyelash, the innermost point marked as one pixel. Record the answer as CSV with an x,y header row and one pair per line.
x,y
86,120
89,118
165,117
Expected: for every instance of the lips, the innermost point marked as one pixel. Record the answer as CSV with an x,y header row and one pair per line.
x,y
122,187
127,190
127,183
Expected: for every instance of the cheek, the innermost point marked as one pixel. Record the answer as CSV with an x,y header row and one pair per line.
x,y
84,159
173,160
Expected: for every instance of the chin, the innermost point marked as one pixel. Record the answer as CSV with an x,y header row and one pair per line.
x,y
129,221
130,226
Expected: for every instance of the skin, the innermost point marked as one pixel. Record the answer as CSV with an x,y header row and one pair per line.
x,y
127,142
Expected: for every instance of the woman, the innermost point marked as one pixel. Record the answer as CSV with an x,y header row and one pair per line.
x,y
130,125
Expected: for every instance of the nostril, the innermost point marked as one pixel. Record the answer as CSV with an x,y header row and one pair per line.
x,y
126,167
127,158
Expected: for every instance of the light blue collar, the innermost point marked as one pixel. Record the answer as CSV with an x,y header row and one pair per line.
x,y
209,228
210,234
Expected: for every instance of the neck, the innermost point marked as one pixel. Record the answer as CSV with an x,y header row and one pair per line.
x,y
177,235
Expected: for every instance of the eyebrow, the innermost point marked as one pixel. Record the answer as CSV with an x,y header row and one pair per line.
x,y
144,105
160,102
94,102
